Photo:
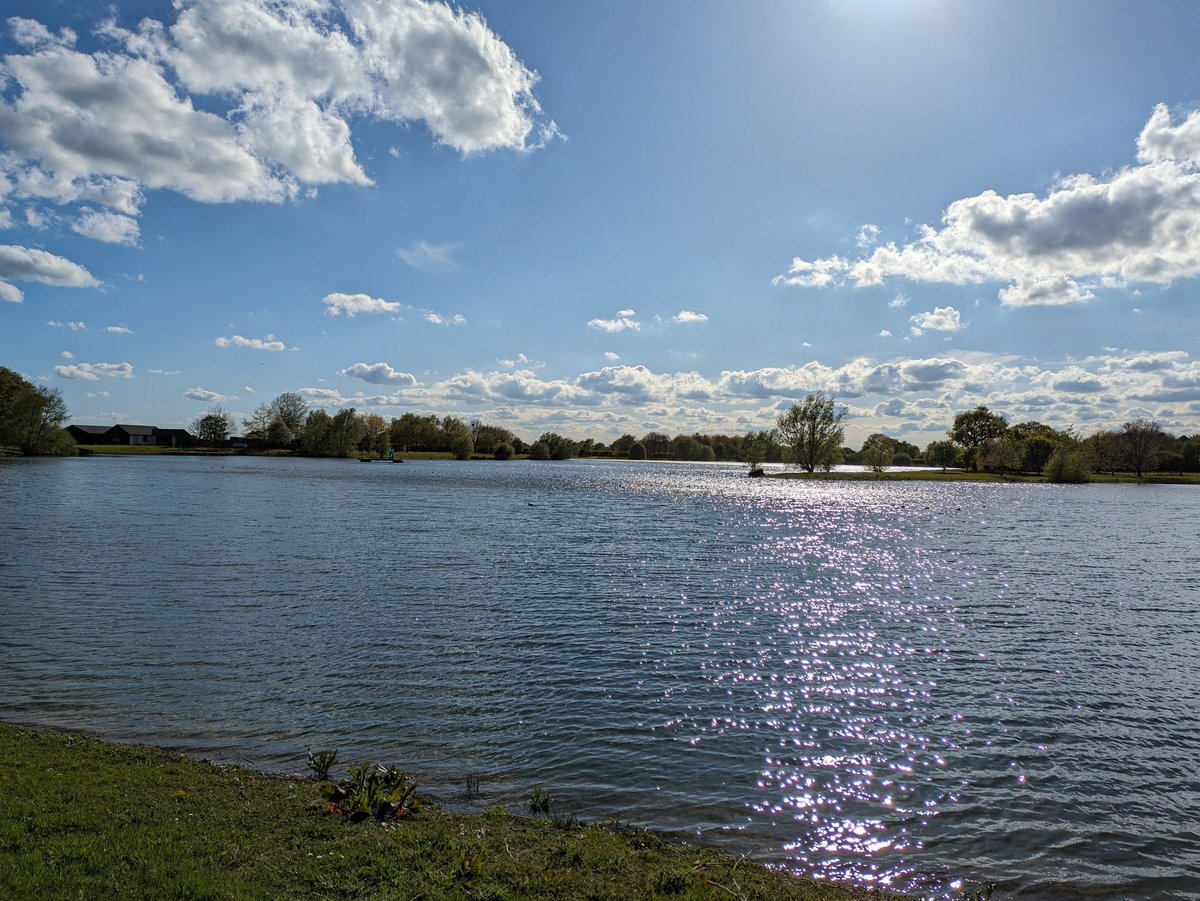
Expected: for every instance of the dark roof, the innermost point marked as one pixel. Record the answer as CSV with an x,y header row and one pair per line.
x,y
158,431
91,429
135,429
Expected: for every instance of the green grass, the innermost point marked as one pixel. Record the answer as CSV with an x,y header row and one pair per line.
x,y
87,819
960,475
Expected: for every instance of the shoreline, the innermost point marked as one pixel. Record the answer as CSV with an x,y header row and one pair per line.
x,y
94,818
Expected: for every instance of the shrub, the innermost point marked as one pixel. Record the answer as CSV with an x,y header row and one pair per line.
x,y
503,451
539,451
378,792
463,447
1066,465
900,458
637,451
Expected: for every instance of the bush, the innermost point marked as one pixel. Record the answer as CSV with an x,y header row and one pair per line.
x,y
900,458
1066,465
539,451
503,451
637,451
463,447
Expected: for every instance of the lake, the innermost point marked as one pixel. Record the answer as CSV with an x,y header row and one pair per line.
x,y
919,685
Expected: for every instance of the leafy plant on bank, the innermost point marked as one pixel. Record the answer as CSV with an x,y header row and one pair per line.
x,y
320,763
373,791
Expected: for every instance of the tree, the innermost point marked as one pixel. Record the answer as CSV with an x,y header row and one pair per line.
x,y
976,429
877,452
213,428
31,417
258,424
503,451
290,411
462,447
812,431
1002,455
539,451
1143,442
941,453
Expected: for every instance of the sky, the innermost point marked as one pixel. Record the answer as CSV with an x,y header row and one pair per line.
x,y
596,219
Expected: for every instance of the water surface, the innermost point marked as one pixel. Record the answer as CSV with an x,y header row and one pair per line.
x,y
917,685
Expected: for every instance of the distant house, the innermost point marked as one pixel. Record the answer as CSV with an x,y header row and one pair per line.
x,y
176,438
131,435
134,435
89,434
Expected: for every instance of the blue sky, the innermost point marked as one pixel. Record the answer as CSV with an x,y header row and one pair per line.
x,y
605,218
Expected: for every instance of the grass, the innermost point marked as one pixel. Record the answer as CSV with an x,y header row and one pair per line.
x,y
962,475
87,819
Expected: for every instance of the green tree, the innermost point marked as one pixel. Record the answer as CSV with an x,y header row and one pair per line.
x,y
213,428
539,450
503,451
31,417
462,447
942,453
1067,463
974,430
1003,455
812,431
314,439
637,451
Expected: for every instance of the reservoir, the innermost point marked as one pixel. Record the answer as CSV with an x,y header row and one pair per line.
x,y
925,686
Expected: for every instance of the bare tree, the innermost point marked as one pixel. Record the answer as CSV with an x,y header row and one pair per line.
x,y
1144,443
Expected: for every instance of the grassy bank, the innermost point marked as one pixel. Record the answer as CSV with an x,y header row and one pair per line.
x,y
960,475
87,819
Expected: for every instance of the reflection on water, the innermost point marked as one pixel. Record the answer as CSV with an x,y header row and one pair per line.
x,y
902,684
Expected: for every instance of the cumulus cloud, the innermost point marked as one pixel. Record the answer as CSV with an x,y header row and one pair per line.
x,y
687,317
93,372
270,343
107,226
623,321
117,330
73,326
940,319
430,257
1137,225
32,265
203,394
609,355
251,100
379,374
353,304
439,319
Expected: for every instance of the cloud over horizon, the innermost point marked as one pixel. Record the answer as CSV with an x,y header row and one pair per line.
x,y
1137,225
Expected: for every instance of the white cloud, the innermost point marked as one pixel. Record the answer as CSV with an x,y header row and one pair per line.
x,y
898,302
107,226
624,321
1139,224
250,100
885,334
117,330
31,33
868,235
93,395
203,394
67,355
439,319
31,265
687,317
941,319
423,255
270,343
609,355
353,304
92,372
73,326
380,374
